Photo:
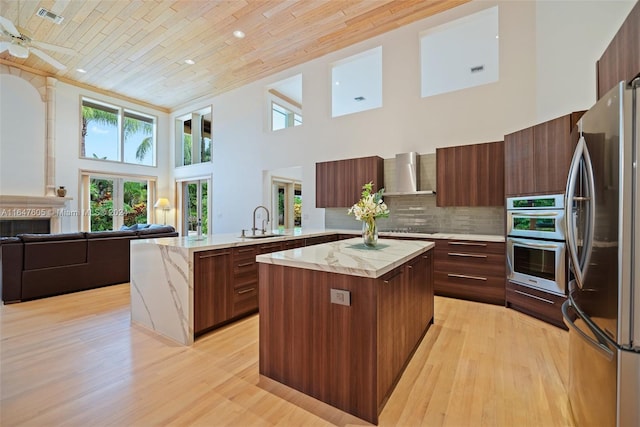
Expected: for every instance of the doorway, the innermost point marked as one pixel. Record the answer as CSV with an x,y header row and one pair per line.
x,y
286,203
195,206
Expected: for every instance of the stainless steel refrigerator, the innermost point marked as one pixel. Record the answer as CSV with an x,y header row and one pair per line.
x,y
602,236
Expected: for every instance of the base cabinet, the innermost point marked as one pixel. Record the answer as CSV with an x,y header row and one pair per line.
x,y
534,302
226,281
211,288
470,270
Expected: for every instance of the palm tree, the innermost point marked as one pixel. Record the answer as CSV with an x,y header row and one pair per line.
x,y
131,127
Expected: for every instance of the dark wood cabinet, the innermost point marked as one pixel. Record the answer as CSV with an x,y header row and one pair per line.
x,y
471,270
621,60
349,356
212,280
537,159
339,183
470,175
244,291
534,302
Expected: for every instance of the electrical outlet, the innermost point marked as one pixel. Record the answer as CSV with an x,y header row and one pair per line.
x,y
339,296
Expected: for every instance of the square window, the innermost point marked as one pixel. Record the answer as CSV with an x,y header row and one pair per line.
x,y
460,54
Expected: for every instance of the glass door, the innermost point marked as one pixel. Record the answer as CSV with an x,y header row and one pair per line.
x,y
286,203
195,197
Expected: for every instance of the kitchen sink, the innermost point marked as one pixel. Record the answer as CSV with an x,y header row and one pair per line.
x,y
259,236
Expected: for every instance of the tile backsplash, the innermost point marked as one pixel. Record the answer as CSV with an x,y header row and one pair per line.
x,y
421,212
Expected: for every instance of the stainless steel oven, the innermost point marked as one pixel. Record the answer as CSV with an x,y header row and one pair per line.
x,y
538,217
536,254
538,264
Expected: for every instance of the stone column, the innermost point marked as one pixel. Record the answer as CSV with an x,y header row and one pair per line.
x,y
50,117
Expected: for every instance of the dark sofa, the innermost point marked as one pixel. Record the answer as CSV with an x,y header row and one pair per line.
x,y
41,265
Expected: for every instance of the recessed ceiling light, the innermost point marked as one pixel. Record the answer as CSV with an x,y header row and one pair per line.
x,y
81,70
337,83
189,61
238,34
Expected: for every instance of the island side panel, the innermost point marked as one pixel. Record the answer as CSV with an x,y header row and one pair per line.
x,y
405,313
161,294
322,349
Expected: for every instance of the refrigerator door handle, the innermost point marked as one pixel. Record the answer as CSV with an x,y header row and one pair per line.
x,y
599,346
569,198
580,264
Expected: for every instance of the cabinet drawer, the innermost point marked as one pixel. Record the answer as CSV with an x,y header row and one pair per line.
x,y
471,263
245,267
245,300
536,303
469,286
468,246
310,241
266,248
292,244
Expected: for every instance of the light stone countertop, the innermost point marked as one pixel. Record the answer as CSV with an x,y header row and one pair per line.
x,y
228,240
350,256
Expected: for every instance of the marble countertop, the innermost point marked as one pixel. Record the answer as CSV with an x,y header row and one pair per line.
x,y
350,256
228,240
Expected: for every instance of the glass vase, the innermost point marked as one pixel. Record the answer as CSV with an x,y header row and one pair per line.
x,y
370,233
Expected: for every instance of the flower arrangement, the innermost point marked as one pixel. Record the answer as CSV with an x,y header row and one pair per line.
x,y
369,207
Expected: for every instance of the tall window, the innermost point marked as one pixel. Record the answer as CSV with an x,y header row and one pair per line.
x,y
193,137
111,202
113,133
285,103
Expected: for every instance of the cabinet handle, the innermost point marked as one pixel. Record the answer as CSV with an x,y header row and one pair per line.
x,y
533,296
244,291
386,282
484,245
240,251
246,264
464,276
467,255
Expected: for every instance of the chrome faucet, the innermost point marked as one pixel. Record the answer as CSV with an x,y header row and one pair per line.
x,y
254,229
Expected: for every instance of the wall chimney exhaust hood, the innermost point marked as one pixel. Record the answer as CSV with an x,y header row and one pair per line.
x,y
407,175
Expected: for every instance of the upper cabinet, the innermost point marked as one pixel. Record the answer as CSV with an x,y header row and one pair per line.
x,y
339,183
470,175
537,159
621,60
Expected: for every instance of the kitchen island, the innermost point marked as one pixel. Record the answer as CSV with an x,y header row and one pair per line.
x,y
340,321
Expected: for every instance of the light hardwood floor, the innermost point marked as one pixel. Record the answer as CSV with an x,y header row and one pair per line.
x,y
74,360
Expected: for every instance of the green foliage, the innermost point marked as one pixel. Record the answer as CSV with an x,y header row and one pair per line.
x,y
102,212
131,127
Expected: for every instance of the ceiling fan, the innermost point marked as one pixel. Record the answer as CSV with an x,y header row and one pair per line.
x,y
19,44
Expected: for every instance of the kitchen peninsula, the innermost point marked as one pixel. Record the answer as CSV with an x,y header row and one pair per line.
x,y
340,321
182,287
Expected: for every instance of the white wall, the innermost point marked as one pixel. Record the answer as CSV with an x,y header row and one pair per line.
x,y
536,83
571,37
22,143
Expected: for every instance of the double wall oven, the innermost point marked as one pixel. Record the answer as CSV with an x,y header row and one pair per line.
x,y
536,242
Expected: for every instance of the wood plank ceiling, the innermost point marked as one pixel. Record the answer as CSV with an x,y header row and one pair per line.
x,y
137,48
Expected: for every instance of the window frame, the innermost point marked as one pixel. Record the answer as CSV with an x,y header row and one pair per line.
x,y
122,113
179,122
119,179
